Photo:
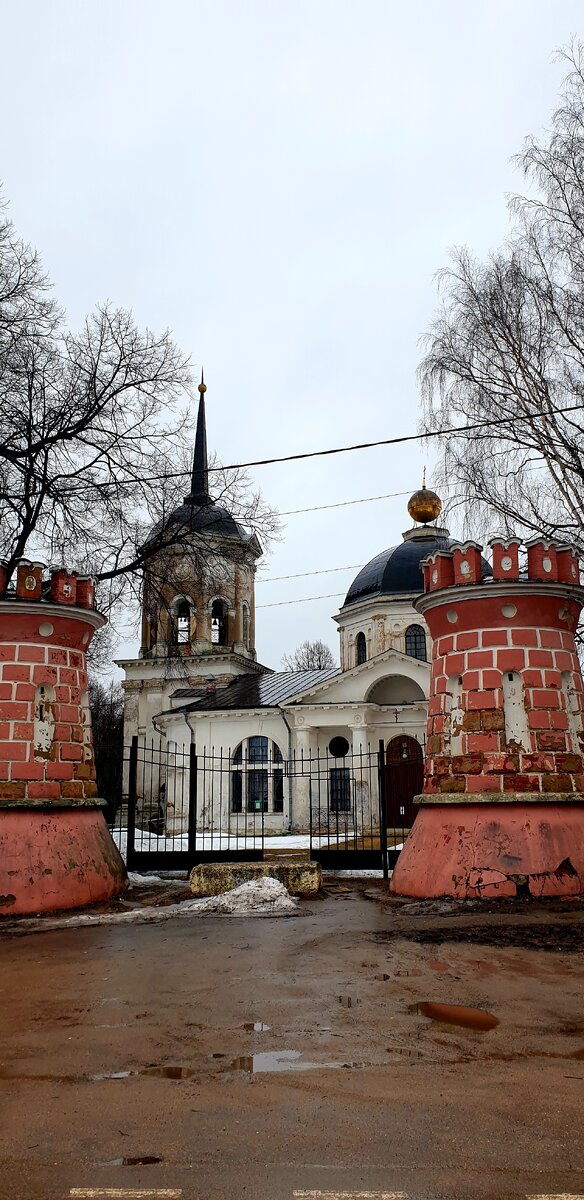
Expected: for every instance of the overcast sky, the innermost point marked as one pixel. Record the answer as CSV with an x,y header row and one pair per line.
x,y
278,182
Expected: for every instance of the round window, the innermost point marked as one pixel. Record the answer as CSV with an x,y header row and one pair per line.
x,y
338,747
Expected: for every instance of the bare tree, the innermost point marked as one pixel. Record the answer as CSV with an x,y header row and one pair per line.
x,y
507,349
107,720
95,438
309,656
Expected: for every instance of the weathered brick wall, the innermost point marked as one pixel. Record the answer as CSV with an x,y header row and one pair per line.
x,y
511,636
46,750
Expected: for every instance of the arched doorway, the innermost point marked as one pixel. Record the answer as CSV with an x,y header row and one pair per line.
x,y
404,779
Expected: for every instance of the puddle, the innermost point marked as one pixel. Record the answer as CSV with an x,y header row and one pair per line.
x,y
256,1027
110,1075
167,1072
143,1160
456,1014
282,1060
348,1001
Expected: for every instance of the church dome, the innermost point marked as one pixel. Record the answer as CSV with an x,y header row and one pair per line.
x,y
397,570
206,518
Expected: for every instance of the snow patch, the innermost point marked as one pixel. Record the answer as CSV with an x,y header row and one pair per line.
x,y
263,895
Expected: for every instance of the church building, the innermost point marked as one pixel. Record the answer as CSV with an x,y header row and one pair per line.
x,y
197,679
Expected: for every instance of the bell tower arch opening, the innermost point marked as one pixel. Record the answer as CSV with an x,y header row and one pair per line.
x,y
219,622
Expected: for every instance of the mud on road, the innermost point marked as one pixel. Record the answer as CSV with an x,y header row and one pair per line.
x,y
239,1057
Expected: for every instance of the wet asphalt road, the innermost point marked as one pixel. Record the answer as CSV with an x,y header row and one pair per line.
x,y
350,1090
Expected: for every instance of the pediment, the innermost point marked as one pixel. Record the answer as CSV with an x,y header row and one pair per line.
x,y
356,684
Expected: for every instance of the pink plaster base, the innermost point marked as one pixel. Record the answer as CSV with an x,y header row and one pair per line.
x,y
56,859
473,850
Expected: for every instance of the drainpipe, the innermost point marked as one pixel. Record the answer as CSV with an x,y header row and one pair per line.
x,y
186,717
289,777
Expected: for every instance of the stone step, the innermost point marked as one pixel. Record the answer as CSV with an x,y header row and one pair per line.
x,y
281,853
300,877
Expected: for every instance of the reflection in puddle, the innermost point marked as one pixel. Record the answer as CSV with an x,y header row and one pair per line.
x,y
456,1014
168,1072
256,1027
348,1001
109,1075
143,1160
282,1060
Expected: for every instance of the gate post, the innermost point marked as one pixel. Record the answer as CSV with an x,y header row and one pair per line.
x,y
132,798
382,808
192,829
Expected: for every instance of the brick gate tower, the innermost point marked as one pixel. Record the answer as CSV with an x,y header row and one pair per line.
x,y
502,811
56,851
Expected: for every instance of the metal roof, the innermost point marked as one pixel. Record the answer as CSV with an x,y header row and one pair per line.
x,y
264,691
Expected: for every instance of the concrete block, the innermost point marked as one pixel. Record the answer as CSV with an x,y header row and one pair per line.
x,y
301,878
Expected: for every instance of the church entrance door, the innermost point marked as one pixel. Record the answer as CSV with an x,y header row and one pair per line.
x,y
404,779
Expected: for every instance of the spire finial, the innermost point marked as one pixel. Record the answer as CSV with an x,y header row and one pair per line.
x,y
199,493
424,505
424,478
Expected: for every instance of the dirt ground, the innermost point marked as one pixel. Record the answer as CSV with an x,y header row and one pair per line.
x,y
285,1057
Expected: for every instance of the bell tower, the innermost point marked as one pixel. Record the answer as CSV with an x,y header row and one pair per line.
x,y
198,603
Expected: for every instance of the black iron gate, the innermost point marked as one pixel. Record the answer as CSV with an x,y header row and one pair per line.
x,y
350,811
362,804
180,810
346,817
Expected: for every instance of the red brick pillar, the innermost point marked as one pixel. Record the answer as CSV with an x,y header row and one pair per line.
x,y
55,848
502,810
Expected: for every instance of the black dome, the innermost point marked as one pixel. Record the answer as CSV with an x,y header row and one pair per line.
x,y
397,570
205,518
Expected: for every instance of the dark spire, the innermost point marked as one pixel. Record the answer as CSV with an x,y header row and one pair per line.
x,y
199,493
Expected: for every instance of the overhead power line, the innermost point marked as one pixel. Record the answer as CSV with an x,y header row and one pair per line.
x,y
343,503
304,600
396,441
303,574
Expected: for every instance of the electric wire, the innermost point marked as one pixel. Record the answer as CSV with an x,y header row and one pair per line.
x,y
292,512
303,574
395,441
303,600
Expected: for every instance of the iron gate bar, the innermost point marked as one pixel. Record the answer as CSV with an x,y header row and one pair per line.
x,y
382,807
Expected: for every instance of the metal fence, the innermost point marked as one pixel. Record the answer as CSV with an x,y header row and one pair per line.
x,y
345,810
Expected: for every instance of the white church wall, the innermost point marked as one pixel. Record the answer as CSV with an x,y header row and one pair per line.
x,y
383,621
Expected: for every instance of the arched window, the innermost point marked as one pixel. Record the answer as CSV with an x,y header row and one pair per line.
x,y
182,623
361,648
416,642
257,777
219,623
245,625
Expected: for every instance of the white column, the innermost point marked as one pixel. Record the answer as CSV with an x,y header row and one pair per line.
x,y
304,751
364,775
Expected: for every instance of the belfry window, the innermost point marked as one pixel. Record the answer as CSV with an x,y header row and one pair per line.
x,y
416,642
183,623
219,623
361,648
245,625
257,777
